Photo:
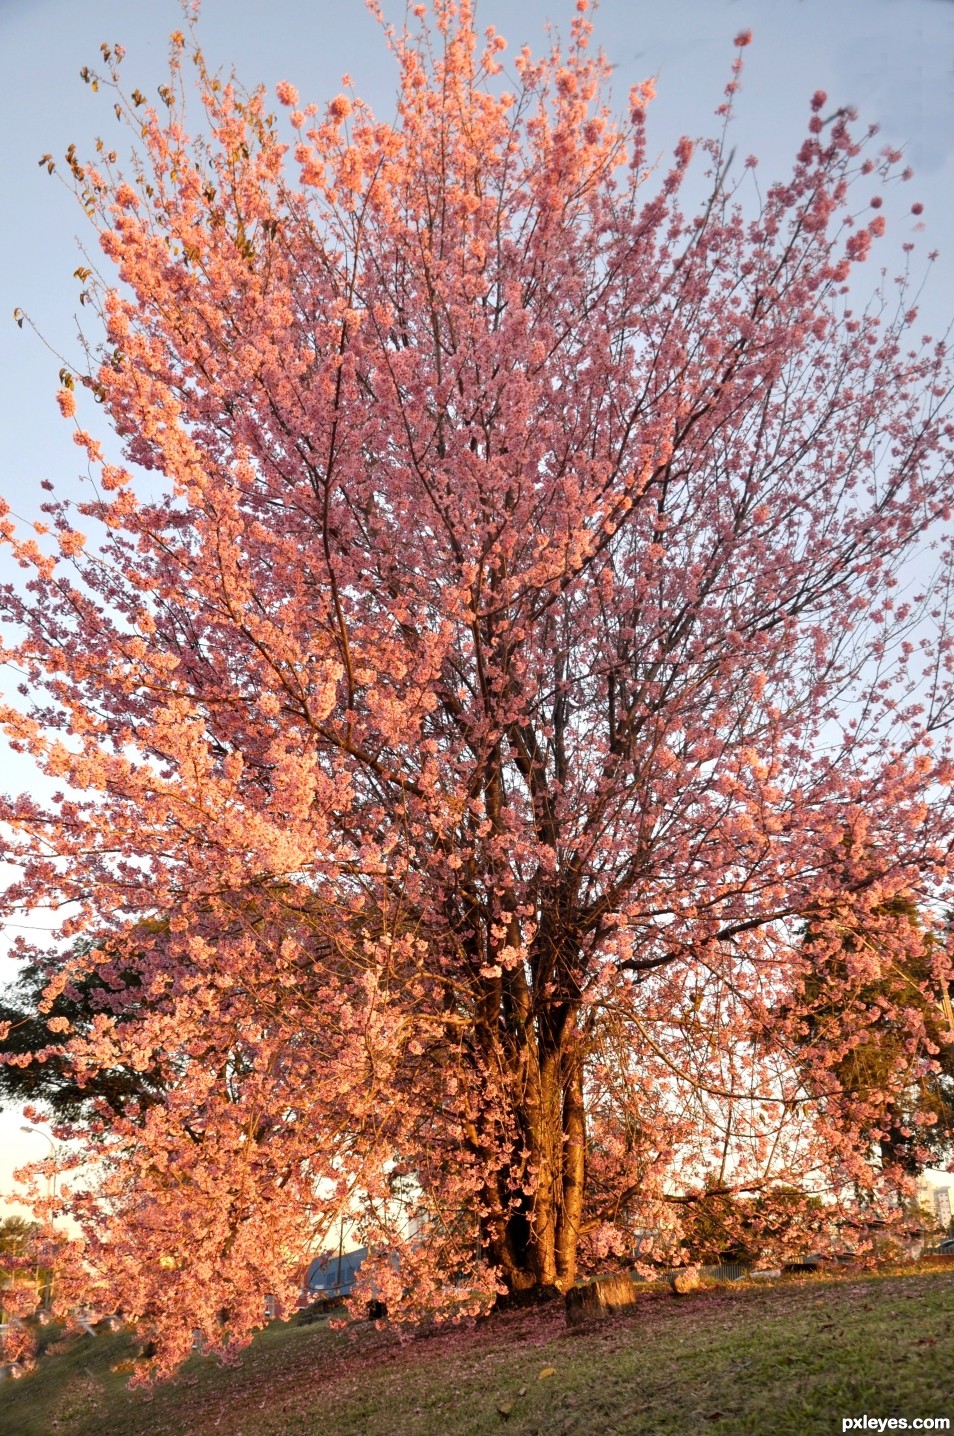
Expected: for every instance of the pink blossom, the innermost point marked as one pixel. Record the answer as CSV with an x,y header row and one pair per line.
x,y
66,400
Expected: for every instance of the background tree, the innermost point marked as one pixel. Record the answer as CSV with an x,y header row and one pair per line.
x,y
22,1278
15,1236
37,1070
115,983
773,1226
875,1002
522,575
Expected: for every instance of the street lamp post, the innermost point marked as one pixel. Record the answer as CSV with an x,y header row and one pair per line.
x,y
51,1198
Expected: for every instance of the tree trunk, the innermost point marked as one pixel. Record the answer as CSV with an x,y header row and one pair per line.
x,y
570,1217
534,1243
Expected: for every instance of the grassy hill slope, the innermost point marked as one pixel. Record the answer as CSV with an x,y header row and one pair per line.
x,y
793,1358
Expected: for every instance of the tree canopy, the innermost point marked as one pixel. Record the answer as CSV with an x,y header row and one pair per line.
x,y
516,583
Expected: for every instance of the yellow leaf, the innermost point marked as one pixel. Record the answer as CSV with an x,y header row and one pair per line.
x,y
547,1371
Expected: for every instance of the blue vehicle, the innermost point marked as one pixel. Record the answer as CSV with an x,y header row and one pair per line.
x,y
331,1276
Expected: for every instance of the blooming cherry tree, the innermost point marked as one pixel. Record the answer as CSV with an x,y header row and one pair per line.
x,y
518,585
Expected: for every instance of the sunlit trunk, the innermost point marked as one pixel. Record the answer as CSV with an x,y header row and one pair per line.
x,y
534,1244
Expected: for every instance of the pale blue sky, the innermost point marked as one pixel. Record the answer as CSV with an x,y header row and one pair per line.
x,y
893,59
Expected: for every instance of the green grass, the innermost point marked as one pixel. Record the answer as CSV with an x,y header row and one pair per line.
x,y
790,1359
